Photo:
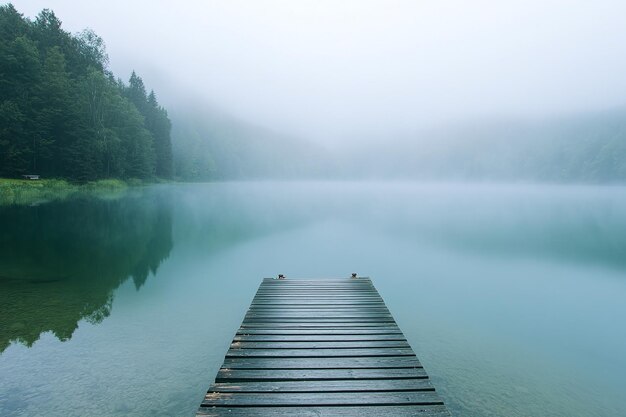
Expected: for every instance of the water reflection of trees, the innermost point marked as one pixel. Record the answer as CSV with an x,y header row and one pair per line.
x,y
61,262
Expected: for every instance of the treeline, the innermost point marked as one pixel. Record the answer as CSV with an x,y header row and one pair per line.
x,y
64,114
581,148
588,147
210,145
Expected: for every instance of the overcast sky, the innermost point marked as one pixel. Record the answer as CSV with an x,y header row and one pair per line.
x,y
330,69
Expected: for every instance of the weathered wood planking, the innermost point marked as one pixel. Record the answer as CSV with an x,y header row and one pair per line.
x,y
327,348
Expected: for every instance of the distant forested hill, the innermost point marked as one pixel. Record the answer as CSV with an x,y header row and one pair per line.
x,y
583,148
64,114
209,145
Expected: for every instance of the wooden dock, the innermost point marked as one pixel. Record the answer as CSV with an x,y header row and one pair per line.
x,y
320,348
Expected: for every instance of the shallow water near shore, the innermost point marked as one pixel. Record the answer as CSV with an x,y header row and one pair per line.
x,y
512,296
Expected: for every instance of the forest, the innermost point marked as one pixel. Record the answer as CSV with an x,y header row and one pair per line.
x,y
587,147
211,145
64,114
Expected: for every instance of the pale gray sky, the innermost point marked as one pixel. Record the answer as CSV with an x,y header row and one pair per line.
x,y
328,69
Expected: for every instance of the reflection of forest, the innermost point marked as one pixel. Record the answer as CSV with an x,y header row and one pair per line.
x,y
61,262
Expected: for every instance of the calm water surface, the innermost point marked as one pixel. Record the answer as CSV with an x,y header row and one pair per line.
x,y
514,297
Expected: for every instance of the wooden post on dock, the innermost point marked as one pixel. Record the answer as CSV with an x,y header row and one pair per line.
x,y
320,347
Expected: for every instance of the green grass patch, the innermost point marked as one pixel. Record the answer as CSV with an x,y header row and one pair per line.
x,y
109,184
20,192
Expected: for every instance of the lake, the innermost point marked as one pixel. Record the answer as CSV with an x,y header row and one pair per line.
x,y
513,296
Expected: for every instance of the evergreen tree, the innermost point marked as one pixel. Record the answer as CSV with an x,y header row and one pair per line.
x,y
63,114
156,121
160,126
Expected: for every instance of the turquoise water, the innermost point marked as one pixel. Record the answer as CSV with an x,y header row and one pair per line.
x,y
513,296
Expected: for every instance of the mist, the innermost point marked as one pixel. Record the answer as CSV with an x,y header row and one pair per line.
x,y
158,158
366,81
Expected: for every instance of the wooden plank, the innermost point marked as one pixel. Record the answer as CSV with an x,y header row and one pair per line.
x,y
217,399
274,288
317,281
312,325
324,295
371,411
326,298
251,375
311,309
317,338
325,308
317,297
317,314
320,294
324,301
314,305
323,321
360,385
288,287
327,363
319,353
289,317
321,291
284,286
361,282
320,345
320,300
330,290
321,306
395,330
308,304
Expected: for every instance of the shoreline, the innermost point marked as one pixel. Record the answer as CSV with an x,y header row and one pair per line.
x,y
32,192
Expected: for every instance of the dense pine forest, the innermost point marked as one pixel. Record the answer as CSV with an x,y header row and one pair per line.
x,y
64,114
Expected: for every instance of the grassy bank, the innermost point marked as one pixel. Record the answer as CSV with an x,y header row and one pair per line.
x,y
14,191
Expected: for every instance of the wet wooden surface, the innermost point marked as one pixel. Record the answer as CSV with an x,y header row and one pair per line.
x,y
320,348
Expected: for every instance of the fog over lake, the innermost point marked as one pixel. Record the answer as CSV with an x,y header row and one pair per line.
x,y
512,296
